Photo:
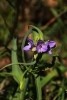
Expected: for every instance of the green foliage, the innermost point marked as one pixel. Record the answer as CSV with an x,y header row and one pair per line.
x,y
31,78
37,34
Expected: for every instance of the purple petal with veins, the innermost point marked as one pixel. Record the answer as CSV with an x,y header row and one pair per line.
x,y
51,44
28,47
30,41
41,47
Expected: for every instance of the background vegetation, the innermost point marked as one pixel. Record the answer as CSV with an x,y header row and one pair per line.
x,y
50,16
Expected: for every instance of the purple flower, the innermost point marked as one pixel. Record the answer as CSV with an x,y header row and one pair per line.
x,y
41,47
29,46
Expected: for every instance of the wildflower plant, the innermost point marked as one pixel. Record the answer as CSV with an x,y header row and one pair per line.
x,y
35,74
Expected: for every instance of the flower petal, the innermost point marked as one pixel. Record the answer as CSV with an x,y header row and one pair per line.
x,y
42,48
28,47
51,44
30,41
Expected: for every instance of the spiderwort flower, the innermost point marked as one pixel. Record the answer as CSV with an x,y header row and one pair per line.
x,y
41,46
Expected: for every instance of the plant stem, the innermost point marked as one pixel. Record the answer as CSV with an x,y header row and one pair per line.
x,y
38,88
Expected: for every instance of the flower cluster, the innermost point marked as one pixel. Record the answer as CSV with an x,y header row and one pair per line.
x,y
41,46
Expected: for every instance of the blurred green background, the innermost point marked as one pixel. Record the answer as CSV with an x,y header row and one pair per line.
x,y
48,15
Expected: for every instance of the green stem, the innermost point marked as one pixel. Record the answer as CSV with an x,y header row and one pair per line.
x,y
31,63
23,43
4,74
38,88
22,96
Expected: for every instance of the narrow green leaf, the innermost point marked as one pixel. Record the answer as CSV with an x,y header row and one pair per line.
x,y
4,74
38,88
52,74
47,78
16,70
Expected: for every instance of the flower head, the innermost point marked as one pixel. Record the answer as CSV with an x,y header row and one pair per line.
x,y
41,46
